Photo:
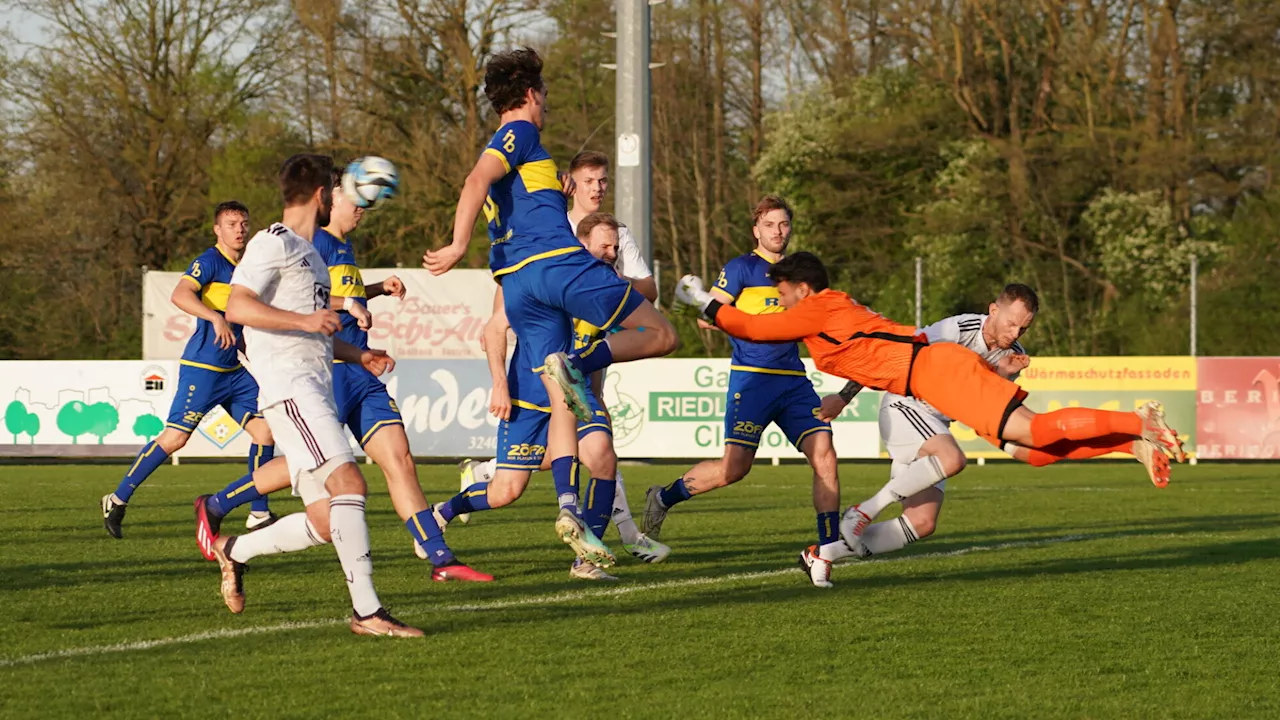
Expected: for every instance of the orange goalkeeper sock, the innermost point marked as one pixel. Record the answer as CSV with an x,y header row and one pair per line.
x,y
1080,450
1082,424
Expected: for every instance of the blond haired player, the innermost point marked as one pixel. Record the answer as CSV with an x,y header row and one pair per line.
x,y
590,173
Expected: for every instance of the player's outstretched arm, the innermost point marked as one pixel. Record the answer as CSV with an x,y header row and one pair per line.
x,y
246,308
489,169
187,300
802,321
392,286
374,360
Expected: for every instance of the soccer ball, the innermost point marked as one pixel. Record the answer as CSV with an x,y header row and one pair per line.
x,y
369,180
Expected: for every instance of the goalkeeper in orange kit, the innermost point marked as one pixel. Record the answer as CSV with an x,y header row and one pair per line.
x,y
854,342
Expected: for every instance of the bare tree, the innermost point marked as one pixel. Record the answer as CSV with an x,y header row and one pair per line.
x,y
133,95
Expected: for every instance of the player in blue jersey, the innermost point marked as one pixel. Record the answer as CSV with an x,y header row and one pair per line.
x,y
363,405
520,400
767,384
547,277
210,373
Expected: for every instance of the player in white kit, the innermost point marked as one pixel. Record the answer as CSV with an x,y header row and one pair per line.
x,y
280,294
590,173
925,453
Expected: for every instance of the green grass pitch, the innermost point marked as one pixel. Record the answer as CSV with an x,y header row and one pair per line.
x,y
1076,591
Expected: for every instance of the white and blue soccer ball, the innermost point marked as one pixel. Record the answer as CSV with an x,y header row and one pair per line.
x,y
368,181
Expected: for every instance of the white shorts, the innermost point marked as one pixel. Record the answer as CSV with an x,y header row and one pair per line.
x,y
307,431
904,427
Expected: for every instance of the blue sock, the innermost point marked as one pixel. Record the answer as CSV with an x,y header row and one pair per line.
x,y
564,474
674,493
596,356
150,457
474,499
427,533
260,455
828,527
240,492
599,506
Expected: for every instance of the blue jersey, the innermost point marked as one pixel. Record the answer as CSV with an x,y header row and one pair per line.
x,y
744,283
527,210
346,281
211,272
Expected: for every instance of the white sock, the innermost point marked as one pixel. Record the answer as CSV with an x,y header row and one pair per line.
x,y
351,539
886,537
485,471
921,474
291,533
622,514
833,551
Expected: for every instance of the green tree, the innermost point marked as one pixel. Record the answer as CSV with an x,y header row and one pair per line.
x,y
104,418
15,418
857,160
148,426
121,105
73,420
1239,297
32,426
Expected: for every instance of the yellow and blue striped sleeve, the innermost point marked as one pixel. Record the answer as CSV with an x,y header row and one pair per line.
x,y
345,279
201,271
729,285
514,143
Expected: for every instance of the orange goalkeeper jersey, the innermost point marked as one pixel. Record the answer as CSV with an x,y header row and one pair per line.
x,y
844,338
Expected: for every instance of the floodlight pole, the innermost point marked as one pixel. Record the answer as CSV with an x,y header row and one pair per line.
x,y
633,172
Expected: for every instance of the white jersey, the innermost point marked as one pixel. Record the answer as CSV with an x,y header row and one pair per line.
x,y
630,263
287,273
963,330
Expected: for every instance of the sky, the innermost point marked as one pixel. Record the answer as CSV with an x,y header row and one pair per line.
x,y
23,26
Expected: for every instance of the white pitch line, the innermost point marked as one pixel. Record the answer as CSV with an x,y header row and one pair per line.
x,y
562,597
573,595
161,642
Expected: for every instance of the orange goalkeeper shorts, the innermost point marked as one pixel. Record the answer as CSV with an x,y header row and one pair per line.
x,y
962,386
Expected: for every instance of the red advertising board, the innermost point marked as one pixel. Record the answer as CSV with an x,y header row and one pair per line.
x,y
1238,408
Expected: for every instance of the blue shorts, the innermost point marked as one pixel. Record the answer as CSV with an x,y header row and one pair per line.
x,y
364,405
543,297
599,420
201,390
522,439
757,399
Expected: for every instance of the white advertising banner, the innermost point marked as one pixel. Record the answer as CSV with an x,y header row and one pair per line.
x,y
439,317
661,409
104,407
675,409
